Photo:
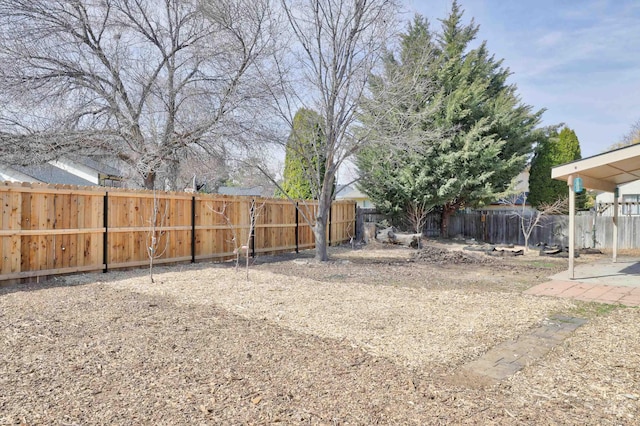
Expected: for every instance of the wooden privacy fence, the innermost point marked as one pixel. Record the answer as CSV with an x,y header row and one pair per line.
x,y
591,231
48,230
505,229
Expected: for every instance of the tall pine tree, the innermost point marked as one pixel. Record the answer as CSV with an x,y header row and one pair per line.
x,y
474,133
396,171
304,160
492,131
555,149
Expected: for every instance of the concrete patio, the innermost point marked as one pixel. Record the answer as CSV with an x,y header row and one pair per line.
x,y
601,281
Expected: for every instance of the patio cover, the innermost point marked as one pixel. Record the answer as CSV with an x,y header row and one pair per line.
x,y
603,172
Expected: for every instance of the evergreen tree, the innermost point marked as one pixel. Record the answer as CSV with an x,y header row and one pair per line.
x,y
474,134
542,188
492,131
303,173
555,149
396,170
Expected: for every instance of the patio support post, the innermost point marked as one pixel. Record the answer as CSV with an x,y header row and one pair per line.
x,y
572,226
615,226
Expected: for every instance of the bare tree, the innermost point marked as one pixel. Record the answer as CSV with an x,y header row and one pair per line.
x,y
157,239
417,212
235,237
337,45
632,137
143,80
531,219
238,247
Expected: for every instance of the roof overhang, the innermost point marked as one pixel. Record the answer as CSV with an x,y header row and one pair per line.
x,y
603,172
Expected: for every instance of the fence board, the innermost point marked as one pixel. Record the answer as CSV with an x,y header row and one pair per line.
x,y
79,240
591,231
25,242
12,220
306,238
47,230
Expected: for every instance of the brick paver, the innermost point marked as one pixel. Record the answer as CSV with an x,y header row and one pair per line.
x,y
576,290
614,294
628,296
551,288
630,300
509,357
595,292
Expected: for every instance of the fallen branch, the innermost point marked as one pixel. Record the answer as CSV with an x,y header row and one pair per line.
x,y
390,236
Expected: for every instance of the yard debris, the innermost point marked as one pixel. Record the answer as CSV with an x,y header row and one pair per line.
x,y
504,253
588,250
501,250
432,254
392,236
556,251
481,247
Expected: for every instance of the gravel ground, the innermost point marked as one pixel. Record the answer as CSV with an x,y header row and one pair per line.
x,y
374,336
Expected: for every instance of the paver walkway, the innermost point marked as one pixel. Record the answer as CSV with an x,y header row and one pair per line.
x,y
601,281
602,293
509,357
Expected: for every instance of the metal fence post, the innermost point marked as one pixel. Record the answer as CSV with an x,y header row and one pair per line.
x,y
330,212
297,230
193,229
252,229
105,239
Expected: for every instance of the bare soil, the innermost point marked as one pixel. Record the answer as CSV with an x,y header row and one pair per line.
x,y
374,336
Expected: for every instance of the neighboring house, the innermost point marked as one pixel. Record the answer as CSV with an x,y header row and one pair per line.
x,y
40,173
91,170
349,192
84,172
256,191
628,200
509,205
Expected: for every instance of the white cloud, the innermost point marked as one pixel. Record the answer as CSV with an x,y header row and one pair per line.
x,y
550,39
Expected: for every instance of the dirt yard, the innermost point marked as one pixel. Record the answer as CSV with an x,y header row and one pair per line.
x,y
375,336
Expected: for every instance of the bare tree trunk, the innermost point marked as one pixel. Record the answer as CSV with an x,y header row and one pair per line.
x,y
157,239
417,213
151,270
150,180
322,215
171,179
320,231
340,45
447,211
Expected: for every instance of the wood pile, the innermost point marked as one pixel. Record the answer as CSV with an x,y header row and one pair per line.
x,y
392,236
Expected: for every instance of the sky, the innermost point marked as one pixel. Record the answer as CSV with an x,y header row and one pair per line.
x,y
578,59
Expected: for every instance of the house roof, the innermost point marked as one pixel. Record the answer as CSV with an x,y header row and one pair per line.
x,y
603,172
348,192
97,166
516,200
93,163
49,173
